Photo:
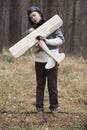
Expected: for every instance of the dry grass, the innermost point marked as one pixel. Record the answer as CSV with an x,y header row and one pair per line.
x,y
17,95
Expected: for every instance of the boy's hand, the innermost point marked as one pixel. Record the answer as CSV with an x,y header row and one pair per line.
x,y
31,30
38,39
41,38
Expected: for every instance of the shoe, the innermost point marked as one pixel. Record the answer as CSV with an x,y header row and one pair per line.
x,y
40,113
55,113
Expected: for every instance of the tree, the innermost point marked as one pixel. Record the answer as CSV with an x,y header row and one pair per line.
x,y
4,23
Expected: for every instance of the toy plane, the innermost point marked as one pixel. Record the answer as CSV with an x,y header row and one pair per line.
x,y
29,41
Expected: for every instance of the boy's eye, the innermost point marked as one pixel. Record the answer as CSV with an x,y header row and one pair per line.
x,y
33,16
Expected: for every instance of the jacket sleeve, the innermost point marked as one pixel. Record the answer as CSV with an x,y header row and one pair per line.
x,y
56,39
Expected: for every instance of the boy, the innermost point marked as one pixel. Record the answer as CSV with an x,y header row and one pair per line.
x,y
53,42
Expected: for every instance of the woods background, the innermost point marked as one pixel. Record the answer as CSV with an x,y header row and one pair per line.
x,y
14,21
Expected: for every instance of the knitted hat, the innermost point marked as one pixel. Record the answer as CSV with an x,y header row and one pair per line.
x,y
32,9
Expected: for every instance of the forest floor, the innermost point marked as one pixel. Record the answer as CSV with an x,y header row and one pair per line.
x,y
18,91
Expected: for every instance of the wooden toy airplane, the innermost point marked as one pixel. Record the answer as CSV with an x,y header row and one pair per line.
x,y
29,41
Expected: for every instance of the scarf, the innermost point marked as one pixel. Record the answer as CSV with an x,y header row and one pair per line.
x,y
40,23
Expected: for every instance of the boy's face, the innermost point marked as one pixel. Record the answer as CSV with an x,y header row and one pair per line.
x,y
35,17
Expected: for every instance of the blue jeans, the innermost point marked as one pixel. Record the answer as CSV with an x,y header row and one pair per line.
x,y
41,75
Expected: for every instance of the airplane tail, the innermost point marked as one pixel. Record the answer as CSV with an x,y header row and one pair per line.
x,y
59,57
51,62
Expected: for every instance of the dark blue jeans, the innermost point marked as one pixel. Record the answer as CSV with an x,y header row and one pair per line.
x,y
41,75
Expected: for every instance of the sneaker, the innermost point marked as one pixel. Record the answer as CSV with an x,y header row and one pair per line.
x,y
55,112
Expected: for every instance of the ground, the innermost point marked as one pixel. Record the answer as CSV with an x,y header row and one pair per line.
x,y
18,91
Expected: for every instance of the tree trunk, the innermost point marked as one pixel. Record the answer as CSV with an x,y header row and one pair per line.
x,y
15,21
4,23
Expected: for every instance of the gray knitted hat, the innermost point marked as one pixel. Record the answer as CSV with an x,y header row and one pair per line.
x,y
32,9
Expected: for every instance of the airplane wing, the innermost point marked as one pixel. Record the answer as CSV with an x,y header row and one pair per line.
x,y
44,30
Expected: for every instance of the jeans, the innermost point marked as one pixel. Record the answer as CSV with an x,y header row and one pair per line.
x,y
41,75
